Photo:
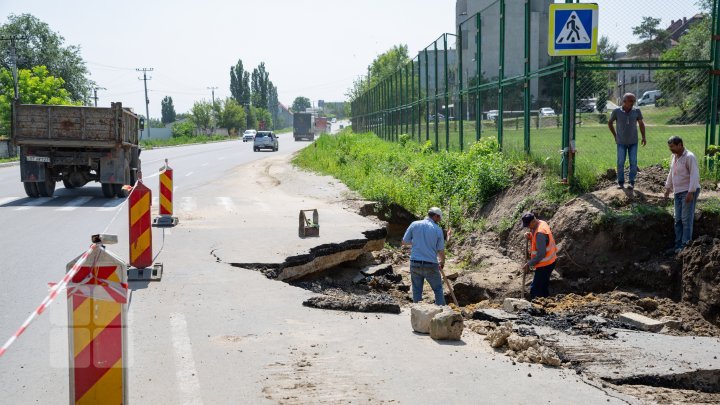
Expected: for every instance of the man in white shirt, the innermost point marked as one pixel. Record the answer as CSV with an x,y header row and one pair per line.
x,y
684,181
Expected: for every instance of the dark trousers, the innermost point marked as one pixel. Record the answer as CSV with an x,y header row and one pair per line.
x,y
540,286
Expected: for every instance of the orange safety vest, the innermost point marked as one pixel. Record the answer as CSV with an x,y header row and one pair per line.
x,y
550,249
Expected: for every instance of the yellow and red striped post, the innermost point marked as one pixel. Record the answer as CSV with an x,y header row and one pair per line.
x,y
97,335
140,227
166,190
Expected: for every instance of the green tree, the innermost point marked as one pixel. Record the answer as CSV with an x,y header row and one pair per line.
x,y
154,123
273,104
384,64
655,40
300,104
231,116
606,49
259,87
252,122
240,83
36,86
183,129
264,118
167,110
202,115
45,47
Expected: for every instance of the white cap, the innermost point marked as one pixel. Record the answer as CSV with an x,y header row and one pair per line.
x,y
436,211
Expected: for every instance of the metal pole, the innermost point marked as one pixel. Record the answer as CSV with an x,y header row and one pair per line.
x,y
501,75
478,75
427,96
526,90
412,97
447,94
461,108
710,138
437,96
147,100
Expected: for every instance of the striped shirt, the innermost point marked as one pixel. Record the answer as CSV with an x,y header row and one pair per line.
x,y
684,173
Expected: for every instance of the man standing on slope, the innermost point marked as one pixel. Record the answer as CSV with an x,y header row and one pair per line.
x,y
543,254
626,137
427,255
684,182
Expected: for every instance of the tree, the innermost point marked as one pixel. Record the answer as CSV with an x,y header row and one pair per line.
x,y
300,104
383,65
240,83
36,86
154,123
273,104
655,40
264,118
202,115
260,91
231,116
167,110
252,121
44,47
606,49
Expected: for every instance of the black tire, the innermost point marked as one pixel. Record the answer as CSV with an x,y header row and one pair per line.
x,y
118,190
107,190
68,185
31,189
46,188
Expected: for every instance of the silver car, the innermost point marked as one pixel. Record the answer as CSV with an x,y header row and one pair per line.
x,y
265,140
249,135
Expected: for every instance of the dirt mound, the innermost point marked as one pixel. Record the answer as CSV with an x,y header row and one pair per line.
x,y
650,178
701,276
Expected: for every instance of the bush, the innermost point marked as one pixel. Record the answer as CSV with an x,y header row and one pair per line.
x,y
183,129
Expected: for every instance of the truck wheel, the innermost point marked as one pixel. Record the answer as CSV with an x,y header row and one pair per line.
x,y
107,190
31,189
118,190
46,188
67,185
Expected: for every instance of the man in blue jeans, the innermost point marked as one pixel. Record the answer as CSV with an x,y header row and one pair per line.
x,y
684,182
628,119
427,255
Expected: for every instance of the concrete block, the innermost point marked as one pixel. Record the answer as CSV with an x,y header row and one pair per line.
x,y
378,270
493,315
421,315
671,323
641,322
515,304
447,325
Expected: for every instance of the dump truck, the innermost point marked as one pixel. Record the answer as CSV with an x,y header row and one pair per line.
x,y
76,145
303,126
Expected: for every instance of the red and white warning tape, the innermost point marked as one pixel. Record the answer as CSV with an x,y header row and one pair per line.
x,y
54,291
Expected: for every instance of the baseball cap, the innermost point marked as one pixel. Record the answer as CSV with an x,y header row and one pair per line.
x,y
527,218
436,211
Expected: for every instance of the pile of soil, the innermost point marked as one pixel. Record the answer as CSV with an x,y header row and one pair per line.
x,y
650,178
701,276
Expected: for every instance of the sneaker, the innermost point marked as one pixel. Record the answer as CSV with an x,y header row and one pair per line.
x,y
631,186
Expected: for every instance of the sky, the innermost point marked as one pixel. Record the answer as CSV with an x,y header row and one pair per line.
x,y
311,48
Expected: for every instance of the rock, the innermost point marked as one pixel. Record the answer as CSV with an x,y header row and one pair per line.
x,y
379,270
364,303
471,289
648,304
520,343
447,325
596,320
641,322
515,304
493,315
359,279
623,295
421,315
498,337
481,327
452,276
392,277
671,323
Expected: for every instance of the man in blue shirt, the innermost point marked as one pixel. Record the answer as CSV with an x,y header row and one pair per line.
x,y
628,119
427,255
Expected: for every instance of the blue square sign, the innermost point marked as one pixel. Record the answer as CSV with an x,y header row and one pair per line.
x,y
573,29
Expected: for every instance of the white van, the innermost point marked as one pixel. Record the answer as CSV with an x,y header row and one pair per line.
x,y
649,97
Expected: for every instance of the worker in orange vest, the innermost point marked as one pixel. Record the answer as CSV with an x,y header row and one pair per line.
x,y
543,254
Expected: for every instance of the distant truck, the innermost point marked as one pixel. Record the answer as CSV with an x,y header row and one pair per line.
x,y
321,125
76,145
303,126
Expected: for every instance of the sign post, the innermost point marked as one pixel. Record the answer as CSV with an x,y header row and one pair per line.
x,y
572,32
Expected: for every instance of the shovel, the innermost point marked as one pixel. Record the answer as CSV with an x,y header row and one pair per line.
x,y
527,257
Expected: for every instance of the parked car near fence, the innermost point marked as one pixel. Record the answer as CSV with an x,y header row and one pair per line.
x,y
547,112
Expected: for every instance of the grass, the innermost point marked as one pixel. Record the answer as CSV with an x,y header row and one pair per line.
x,y
10,159
183,140
710,206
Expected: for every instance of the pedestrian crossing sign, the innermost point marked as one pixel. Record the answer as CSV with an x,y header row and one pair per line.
x,y
573,29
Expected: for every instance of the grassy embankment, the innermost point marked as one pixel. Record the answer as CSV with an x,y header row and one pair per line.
x,y
184,140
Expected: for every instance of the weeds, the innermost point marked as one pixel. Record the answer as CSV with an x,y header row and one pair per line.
x,y
182,140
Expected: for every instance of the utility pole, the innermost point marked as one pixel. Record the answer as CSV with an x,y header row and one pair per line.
x,y
95,96
147,100
13,59
212,89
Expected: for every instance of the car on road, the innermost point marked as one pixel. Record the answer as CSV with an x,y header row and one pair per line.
x,y
249,135
492,115
265,140
587,105
649,97
547,112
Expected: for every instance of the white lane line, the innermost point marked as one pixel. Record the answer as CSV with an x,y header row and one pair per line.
x,y
111,205
5,200
187,204
226,202
189,174
34,203
151,175
185,373
74,204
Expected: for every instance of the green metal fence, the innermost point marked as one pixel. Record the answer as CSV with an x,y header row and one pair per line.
x,y
494,78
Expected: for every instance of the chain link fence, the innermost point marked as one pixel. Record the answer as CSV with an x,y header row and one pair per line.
x,y
494,78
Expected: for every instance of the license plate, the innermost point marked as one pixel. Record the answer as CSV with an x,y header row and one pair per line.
x,y
43,159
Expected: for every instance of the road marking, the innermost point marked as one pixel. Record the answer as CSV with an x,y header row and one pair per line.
x,y
187,204
74,204
34,203
6,200
189,174
110,205
185,374
151,175
226,202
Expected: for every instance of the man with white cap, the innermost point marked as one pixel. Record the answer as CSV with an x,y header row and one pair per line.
x,y
427,255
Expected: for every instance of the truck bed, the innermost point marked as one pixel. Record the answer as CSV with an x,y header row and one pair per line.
x,y
71,126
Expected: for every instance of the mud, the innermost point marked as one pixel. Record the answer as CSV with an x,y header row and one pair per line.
x,y
701,277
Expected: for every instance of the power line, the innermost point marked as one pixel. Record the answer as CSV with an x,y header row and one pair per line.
x,y
147,100
212,89
95,90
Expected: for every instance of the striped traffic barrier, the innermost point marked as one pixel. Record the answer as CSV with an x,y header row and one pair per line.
x,y
141,258
97,334
166,220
